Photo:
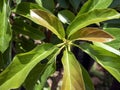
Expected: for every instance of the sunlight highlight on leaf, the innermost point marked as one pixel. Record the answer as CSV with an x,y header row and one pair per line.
x,y
94,4
95,16
15,74
49,21
72,79
5,29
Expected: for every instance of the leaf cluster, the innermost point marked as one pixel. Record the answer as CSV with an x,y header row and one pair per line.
x,y
37,22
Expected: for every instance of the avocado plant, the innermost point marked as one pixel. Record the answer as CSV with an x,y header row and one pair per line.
x,y
31,69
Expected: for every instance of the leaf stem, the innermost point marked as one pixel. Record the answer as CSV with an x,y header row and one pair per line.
x,y
60,44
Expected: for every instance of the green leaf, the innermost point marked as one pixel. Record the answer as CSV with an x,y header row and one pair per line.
x,y
40,71
33,77
44,3
22,27
49,21
15,74
114,31
92,34
38,76
5,30
66,16
72,78
94,4
39,2
5,58
42,17
106,56
1,5
115,23
92,17
87,79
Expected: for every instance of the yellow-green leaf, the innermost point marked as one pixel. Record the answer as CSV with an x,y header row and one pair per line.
x,y
95,16
42,17
106,56
72,79
49,21
15,74
92,34
94,4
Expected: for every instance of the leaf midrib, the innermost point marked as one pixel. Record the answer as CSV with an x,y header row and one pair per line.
x,y
68,66
53,29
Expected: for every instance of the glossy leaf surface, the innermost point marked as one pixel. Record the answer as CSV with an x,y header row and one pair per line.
x,y
66,16
72,78
49,21
94,4
92,34
22,64
92,17
38,76
42,17
5,30
105,55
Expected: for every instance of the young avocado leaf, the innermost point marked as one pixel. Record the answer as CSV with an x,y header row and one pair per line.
x,y
106,56
15,74
92,17
92,34
49,21
42,17
72,78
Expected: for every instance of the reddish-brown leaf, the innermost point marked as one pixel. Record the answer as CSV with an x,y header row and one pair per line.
x,y
92,34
